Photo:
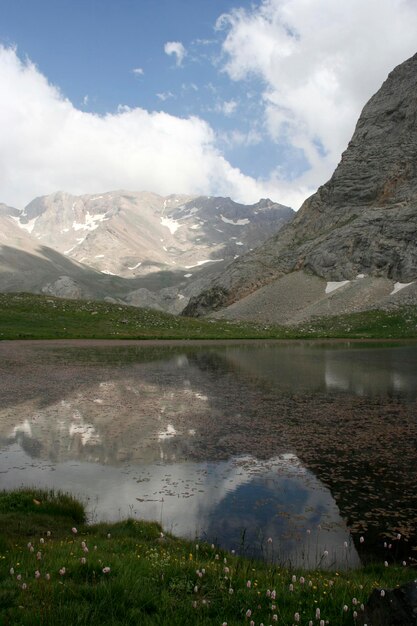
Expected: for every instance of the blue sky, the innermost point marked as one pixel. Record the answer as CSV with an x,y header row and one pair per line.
x,y
261,101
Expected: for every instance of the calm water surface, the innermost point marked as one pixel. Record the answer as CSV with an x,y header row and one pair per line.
x,y
309,445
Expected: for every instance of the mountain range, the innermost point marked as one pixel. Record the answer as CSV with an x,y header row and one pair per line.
x,y
351,246
134,248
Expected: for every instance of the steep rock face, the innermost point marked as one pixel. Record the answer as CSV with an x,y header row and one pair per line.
x,y
362,221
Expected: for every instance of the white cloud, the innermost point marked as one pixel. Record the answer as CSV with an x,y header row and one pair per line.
x,y
165,95
47,144
320,61
138,71
176,48
228,107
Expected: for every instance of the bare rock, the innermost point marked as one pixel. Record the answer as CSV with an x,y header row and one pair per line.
x,y
395,607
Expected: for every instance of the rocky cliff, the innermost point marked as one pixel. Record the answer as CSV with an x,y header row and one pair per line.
x,y
362,222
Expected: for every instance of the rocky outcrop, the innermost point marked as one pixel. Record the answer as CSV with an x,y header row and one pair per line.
x,y
362,221
391,607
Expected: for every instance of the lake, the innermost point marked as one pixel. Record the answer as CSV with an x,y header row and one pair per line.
x,y
289,451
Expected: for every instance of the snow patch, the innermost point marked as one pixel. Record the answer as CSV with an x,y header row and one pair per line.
x,y
170,223
135,267
195,226
332,286
239,243
108,272
189,267
398,287
361,276
235,223
187,275
91,221
29,226
99,256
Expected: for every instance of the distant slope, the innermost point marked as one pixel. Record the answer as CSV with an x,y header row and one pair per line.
x,y
363,221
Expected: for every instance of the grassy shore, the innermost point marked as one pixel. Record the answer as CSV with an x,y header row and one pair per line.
x,y
29,316
55,569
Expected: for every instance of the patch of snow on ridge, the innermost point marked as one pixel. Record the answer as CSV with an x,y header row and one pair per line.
x,y
189,267
91,221
165,434
235,223
29,226
332,286
108,273
170,223
398,287
135,266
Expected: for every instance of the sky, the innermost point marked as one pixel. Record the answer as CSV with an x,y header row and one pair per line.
x,y
238,98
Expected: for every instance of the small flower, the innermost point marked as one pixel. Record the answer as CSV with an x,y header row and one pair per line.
x,y
345,608
386,563
41,540
62,571
268,593
194,604
19,577
230,591
291,587
248,613
382,593
361,539
24,586
354,601
273,594
399,536
251,623
404,563
29,545
248,584
39,555
48,576
83,560
108,535
269,540
106,570
317,613
31,549
85,550
48,533
294,579
322,622
302,580
296,617
217,557
325,553
362,607
196,589
83,544
224,624
310,623
308,531
275,617
11,571
355,614
226,570
74,530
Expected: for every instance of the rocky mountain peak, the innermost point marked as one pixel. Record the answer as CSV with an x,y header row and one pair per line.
x,y
362,222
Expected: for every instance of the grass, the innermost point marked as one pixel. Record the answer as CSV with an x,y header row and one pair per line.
x,y
55,569
29,316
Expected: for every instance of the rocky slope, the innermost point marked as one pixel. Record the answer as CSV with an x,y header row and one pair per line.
x,y
362,222
137,248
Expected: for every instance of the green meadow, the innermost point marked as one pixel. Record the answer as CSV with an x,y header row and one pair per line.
x,y
56,569
29,316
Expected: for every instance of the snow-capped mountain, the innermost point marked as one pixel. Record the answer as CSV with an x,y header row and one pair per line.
x,y
165,248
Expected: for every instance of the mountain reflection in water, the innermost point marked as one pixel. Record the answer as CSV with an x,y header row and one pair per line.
x,y
224,443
